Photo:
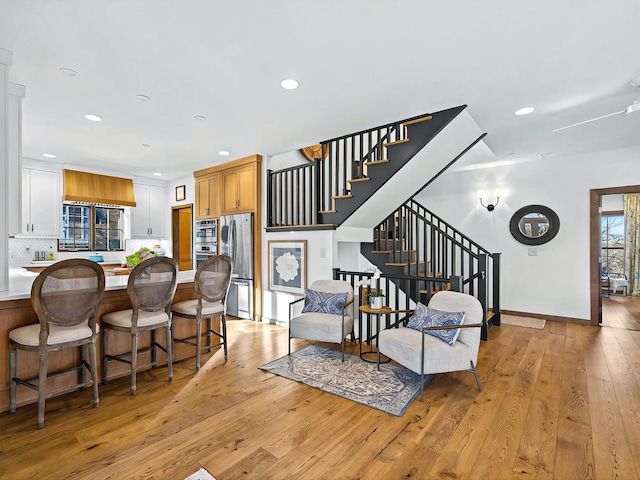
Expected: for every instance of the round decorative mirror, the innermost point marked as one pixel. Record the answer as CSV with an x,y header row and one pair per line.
x,y
534,225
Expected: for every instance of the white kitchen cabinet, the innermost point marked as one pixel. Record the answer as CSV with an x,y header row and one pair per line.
x,y
41,203
147,218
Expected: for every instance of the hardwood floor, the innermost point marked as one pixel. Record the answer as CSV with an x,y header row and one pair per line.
x,y
563,403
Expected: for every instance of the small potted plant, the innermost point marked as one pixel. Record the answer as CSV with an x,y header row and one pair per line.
x,y
375,295
375,298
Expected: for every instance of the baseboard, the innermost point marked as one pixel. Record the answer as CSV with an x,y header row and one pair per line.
x,y
552,318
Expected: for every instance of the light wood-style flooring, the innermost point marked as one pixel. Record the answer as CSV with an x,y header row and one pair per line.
x,y
563,403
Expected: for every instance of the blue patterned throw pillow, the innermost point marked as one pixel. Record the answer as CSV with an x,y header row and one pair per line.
x,y
324,302
428,317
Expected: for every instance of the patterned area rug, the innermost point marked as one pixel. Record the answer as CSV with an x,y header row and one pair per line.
x,y
391,390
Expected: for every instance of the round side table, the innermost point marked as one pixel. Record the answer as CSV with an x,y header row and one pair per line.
x,y
377,312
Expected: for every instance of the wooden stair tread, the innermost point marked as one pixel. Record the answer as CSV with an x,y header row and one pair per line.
x,y
397,142
376,162
381,251
342,196
363,179
401,264
417,120
327,211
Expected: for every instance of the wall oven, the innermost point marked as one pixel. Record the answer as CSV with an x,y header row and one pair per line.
x,y
206,240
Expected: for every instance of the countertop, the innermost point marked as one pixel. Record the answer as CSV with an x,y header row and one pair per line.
x,y
20,281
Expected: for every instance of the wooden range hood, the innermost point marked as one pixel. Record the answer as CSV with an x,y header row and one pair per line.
x,y
102,189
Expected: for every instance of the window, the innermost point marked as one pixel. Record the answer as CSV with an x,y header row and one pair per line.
x,y
612,228
91,228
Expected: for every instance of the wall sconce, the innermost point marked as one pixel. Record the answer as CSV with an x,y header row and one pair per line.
x,y
497,192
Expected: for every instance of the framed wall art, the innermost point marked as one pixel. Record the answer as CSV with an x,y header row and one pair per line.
x,y
180,193
288,266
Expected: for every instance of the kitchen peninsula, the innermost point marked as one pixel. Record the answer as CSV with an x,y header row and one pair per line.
x,y
16,311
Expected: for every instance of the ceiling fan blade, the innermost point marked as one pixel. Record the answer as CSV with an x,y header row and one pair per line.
x,y
590,120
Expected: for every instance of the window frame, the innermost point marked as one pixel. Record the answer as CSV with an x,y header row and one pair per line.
x,y
92,227
604,249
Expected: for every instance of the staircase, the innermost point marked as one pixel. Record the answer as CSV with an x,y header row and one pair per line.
x,y
414,243
362,177
326,193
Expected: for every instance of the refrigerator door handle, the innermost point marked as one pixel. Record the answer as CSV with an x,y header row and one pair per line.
x,y
233,246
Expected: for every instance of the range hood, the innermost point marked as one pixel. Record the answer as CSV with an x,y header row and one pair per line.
x,y
97,189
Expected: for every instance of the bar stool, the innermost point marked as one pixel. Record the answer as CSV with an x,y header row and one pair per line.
x,y
212,280
65,297
151,287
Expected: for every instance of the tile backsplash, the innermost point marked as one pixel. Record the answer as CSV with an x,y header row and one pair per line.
x,y
22,250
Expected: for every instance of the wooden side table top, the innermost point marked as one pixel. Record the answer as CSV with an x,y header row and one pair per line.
x,y
368,309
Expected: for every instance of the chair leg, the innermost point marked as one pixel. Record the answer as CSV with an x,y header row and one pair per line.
x,y
83,363
42,387
475,374
94,372
105,361
134,361
154,351
169,350
209,328
13,358
198,340
223,321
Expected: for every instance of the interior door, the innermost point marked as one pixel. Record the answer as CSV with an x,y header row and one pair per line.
x,y
182,228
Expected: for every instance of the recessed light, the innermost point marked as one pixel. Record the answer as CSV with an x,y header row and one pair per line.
x,y
524,111
93,118
69,72
157,174
200,118
49,155
146,145
289,84
223,152
546,154
143,98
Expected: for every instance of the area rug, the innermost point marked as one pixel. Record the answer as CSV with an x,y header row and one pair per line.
x,y
201,474
391,390
522,321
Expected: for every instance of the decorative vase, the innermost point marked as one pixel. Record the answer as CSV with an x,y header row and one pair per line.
x,y
376,302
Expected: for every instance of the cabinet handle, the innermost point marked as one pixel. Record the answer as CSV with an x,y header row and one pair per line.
x,y
27,228
150,230
237,203
206,212
32,228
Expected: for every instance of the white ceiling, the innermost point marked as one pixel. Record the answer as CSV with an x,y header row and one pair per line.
x,y
360,63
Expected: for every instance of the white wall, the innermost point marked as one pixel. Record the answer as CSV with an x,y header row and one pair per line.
x,y
556,281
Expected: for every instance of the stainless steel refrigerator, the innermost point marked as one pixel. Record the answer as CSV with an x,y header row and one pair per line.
x,y
236,240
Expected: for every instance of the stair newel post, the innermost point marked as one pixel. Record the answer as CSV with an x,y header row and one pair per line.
x,y
495,320
343,167
317,180
269,199
482,292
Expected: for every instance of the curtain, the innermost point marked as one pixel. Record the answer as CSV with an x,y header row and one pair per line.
x,y
632,241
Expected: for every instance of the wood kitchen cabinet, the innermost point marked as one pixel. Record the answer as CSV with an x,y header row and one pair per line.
x,y
238,189
147,218
207,196
41,203
235,187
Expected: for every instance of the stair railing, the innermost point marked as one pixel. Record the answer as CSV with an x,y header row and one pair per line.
x,y
293,193
421,244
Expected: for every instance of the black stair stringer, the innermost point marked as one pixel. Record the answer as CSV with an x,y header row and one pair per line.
x,y
419,134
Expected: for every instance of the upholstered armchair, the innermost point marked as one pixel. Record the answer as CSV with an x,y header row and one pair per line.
x,y
443,337
327,315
